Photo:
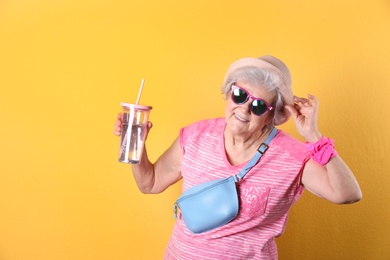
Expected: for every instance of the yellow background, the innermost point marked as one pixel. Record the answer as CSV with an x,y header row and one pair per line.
x,y
65,66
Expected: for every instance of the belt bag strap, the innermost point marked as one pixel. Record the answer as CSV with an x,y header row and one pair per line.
x,y
260,151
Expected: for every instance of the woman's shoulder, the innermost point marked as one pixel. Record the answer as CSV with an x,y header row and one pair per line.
x,y
286,139
206,124
287,144
202,129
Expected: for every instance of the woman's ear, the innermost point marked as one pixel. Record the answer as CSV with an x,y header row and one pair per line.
x,y
269,122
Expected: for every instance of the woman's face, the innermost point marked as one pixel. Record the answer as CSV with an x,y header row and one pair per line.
x,y
240,119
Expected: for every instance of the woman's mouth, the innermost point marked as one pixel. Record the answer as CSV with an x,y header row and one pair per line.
x,y
240,118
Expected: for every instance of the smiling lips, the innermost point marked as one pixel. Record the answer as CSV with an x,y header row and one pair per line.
x,y
240,118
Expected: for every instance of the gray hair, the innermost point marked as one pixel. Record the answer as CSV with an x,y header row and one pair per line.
x,y
261,78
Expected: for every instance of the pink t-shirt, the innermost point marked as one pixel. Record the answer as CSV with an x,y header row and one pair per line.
x,y
266,194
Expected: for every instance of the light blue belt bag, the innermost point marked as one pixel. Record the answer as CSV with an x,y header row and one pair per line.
x,y
215,203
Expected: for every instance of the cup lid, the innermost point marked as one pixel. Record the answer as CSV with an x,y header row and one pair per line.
x,y
140,107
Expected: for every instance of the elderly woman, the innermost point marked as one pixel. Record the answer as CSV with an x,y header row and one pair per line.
x,y
259,97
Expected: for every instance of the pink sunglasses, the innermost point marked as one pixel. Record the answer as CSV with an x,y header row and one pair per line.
x,y
258,106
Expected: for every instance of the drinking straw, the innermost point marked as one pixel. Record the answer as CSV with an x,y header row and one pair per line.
x,y
131,119
140,91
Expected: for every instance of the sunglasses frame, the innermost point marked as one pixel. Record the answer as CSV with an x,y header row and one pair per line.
x,y
234,86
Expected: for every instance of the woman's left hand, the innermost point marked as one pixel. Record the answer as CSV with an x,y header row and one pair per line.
x,y
305,113
333,181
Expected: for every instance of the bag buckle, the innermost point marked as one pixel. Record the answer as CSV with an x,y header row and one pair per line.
x,y
237,179
263,148
175,210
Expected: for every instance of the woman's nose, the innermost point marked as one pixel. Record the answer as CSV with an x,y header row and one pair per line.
x,y
247,105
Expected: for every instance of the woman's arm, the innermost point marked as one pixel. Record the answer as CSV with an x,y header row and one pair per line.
x,y
156,177
334,180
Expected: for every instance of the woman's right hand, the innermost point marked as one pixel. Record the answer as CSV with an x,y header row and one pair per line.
x,y
118,125
155,177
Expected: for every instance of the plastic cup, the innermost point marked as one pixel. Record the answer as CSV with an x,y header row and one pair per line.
x,y
134,129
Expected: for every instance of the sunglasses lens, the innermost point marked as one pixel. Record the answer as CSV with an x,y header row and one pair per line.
x,y
239,96
259,107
